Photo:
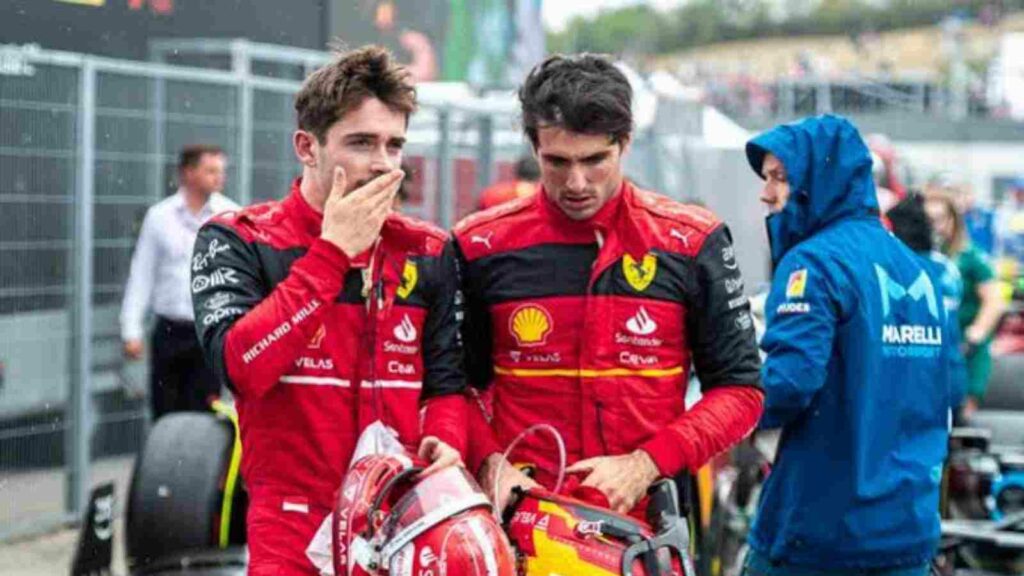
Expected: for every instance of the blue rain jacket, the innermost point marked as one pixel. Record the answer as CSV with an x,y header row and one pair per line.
x,y
856,369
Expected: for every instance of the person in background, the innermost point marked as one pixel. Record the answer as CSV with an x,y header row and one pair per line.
x,y
524,184
159,281
855,372
982,305
979,221
1010,225
910,223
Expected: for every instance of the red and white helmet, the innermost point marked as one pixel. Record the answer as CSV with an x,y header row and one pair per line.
x,y
387,522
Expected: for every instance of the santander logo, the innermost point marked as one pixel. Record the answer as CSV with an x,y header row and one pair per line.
x,y
641,323
406,331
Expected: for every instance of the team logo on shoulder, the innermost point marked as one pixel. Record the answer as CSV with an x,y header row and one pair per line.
x,y
409,277
797,284
640,274
530,324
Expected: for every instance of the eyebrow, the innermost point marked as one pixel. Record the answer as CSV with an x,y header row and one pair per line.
x,y
373,136
595,156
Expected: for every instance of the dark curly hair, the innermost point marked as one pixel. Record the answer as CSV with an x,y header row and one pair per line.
x,y
343,84
584,93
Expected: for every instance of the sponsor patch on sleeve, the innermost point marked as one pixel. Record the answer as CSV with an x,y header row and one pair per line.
x,y
793,308
797,284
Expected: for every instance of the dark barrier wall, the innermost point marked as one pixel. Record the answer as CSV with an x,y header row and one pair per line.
x,y
121,28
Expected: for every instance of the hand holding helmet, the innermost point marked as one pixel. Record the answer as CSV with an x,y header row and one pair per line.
x,y
623,479
390,519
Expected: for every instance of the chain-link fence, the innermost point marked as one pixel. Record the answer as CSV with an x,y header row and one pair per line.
x,y
40,116
89,143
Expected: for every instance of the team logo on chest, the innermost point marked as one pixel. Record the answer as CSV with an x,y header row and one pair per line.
x,y
318,338
641,323
640,274
530,324
409,277
406,331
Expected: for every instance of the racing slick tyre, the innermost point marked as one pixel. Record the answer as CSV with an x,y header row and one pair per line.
x,y
1005,387
176,495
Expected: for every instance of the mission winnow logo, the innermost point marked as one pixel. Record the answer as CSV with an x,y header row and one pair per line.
x,y
909,340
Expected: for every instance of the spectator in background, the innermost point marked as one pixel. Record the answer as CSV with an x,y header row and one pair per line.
x,y
982,305
159,280
979,221
909,222
1010,224
525,183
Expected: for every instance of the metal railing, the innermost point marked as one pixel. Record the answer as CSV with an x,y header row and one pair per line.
x,y
852,95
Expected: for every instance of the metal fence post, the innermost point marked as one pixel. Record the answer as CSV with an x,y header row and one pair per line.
x,y
241,65
444,169
823,97
159,107
77,431
485,152
787,96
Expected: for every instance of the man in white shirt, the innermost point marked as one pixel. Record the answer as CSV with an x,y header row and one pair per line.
x,y
159,280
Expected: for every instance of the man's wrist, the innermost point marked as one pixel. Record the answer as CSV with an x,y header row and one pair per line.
x,y
493,460
647,465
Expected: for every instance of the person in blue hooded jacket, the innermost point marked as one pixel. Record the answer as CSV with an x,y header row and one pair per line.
x,y
855,371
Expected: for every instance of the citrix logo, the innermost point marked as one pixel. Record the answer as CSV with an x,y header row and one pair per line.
x,y
892,290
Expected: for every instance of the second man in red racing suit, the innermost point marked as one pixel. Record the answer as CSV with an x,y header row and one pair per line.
x,y
588,303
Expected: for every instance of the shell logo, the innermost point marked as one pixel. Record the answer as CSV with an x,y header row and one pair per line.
x,y
530,324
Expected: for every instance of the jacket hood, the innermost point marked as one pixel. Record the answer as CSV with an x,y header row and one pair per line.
x,y
828,167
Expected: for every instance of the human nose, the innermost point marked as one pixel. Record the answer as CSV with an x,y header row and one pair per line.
x,y
576,180
382,161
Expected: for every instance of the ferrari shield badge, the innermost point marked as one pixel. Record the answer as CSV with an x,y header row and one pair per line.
x,y
640,274
409,277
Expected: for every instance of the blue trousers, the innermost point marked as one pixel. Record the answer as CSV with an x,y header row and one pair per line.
x,y
758,565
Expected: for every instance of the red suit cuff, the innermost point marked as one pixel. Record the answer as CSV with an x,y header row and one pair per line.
x,y
444,417
723,417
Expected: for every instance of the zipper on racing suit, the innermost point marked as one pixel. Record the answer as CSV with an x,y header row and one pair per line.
x,y
599,405
374,303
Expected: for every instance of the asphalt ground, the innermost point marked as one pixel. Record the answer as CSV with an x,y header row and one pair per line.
x,y
29,498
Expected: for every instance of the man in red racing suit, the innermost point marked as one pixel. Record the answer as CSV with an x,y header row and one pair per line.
x,y
586,305
325,312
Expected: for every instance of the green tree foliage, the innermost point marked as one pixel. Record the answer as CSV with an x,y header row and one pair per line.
x,y
642,30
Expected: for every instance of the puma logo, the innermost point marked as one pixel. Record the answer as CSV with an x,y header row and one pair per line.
x,y
684,238
485,240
